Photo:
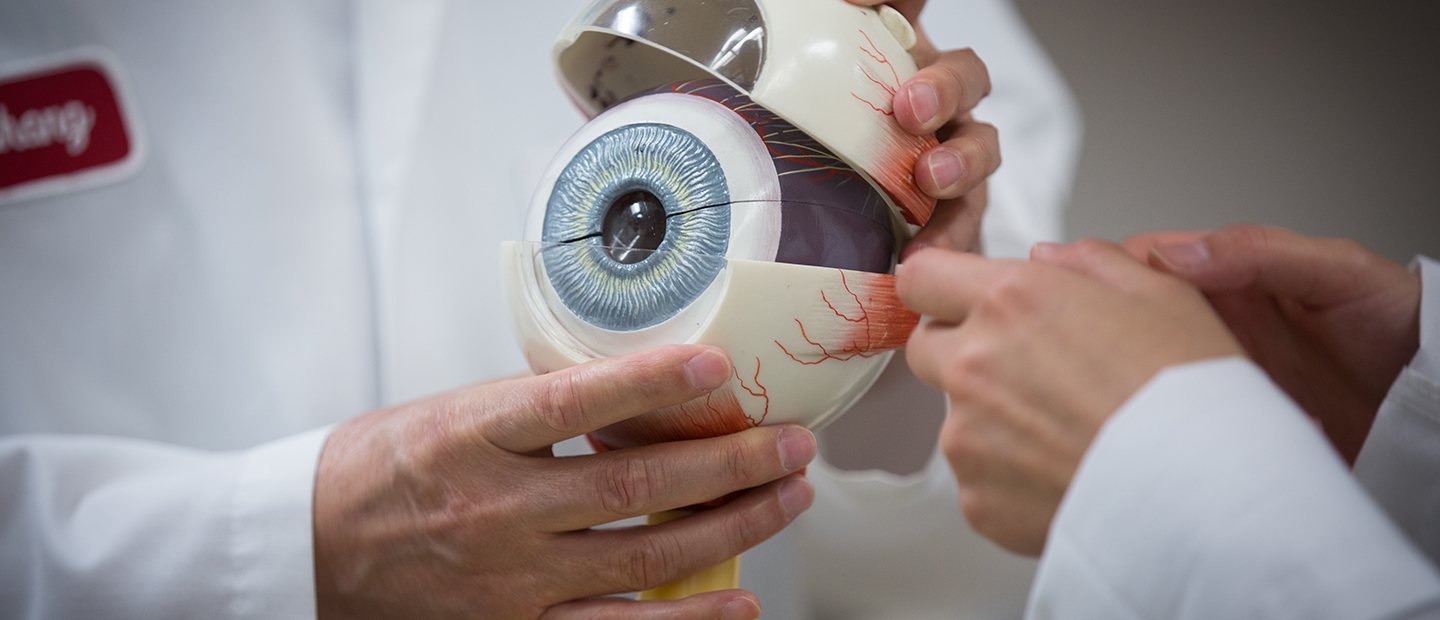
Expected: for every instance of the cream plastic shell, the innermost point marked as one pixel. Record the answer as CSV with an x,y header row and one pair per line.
x,y
830,68
760,300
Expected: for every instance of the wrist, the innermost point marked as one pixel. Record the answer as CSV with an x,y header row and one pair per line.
x,y
338,484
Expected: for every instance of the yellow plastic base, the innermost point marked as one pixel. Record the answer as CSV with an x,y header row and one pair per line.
x,y
725,576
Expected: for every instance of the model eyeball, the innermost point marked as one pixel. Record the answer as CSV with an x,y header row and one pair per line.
x,y
689,214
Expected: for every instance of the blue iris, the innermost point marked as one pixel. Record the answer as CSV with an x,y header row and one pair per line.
x,y
683,174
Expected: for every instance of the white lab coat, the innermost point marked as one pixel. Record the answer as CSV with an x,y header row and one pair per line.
x,y
313,232
1209,494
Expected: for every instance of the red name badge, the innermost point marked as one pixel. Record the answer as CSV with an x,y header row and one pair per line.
x,y
64,125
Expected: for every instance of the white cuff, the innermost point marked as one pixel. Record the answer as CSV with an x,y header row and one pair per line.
x,y
1400,463
1427,359
272,547
1211,495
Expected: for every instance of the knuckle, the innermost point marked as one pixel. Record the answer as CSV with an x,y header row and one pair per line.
x,y
978,512
965,74
748,527
1352,251
911,280
963,449
1248,236
950,78
990,136
657,383
967,370
1090,248
564,409
964,57
977,154
1013,295
629,485
956,446
982,71
737,463
647,561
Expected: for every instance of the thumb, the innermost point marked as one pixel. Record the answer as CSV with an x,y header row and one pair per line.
x,y
1276,261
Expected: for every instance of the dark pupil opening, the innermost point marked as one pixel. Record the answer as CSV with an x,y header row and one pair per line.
x,y
634,226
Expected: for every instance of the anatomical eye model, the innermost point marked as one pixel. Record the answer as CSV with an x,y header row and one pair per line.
x,y
742,184
692,214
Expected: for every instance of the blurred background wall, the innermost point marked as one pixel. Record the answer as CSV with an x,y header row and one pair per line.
x,y
1319,116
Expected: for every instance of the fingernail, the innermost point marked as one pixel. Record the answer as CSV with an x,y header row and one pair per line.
x,y
740,609
945,168
1044,250
1183,255
924,102
708,370
796,495
797,448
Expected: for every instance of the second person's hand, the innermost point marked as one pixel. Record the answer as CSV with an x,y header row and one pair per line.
x,y
1331,322
1034,359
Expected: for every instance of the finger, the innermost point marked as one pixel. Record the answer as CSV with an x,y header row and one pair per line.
x,y
534,413
946,285
724,604
640,558
1099,259
954,225
1279,262
1139,245
909,8
930,345
620,484
942,92
961,163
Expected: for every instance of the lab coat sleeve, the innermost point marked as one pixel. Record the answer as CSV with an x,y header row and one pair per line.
x,y
1211,495
95,527
1400,463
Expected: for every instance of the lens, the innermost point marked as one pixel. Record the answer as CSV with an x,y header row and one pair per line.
x,y
634,226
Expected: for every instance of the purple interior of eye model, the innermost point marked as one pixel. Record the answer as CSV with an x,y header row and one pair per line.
x,y
831,216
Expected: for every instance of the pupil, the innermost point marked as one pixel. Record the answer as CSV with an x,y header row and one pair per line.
x,y
634,226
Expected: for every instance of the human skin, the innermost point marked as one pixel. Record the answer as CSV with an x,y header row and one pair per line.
x,y
1034,357
1331,322
938,99
390,541
454,506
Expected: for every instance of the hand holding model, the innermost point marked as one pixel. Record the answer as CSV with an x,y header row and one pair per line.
x,y
938,99
1034,358
454,506
1331,322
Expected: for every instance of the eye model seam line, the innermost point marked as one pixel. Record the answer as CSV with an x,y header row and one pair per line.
x,y
701,208
668,216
